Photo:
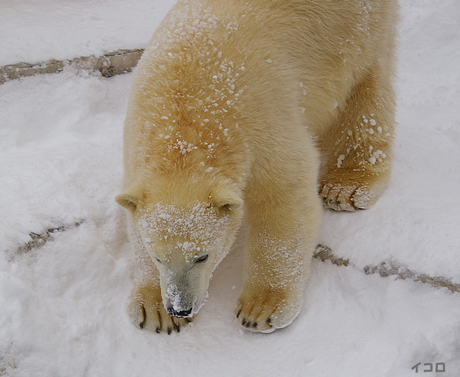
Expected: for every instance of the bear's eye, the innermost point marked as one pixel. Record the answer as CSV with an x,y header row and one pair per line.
x,y
202,259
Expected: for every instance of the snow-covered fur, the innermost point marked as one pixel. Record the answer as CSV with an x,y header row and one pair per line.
x,y
242,110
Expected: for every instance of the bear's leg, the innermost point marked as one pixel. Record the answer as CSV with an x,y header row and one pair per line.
x,y
145,308
358,147
280,243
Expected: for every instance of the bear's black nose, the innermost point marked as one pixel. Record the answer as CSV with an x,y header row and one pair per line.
x,y
179,314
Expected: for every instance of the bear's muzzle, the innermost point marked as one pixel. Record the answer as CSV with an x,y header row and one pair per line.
x,y
180,314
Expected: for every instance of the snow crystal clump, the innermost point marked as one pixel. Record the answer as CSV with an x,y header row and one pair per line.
x,y
340,160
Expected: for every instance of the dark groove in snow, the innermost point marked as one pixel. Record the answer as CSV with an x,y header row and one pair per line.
x,y
324,253
109,64
38,240
388,268
392,268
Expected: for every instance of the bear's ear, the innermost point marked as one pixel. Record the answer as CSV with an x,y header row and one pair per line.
x,y
227,200
129,199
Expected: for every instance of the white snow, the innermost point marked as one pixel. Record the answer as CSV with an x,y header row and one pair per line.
x,y
62,306
35,31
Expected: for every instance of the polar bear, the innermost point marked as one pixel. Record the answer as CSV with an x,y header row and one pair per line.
x,y
240,111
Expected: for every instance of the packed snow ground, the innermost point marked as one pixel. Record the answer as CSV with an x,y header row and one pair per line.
x,y
62,306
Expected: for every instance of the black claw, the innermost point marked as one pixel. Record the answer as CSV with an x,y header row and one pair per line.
x,y
141,325
269,320
177,327
243,321
157,330
238,314
169,330
339,202
331,201
248,324
254,325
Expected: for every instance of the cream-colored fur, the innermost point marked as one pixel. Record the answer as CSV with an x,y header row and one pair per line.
x,y
238,111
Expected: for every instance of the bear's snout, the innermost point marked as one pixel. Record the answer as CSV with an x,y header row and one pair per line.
x,y
179,313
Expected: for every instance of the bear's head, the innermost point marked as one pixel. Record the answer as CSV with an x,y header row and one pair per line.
x,y
187,230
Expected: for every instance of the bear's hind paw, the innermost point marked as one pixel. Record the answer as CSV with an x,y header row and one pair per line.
x,y
345,197
352,189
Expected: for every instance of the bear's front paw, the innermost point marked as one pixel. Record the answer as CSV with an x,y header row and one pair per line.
x,y
146,311
266,310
